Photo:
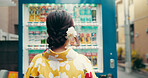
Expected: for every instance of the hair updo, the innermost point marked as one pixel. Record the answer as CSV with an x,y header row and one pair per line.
x,y
57,23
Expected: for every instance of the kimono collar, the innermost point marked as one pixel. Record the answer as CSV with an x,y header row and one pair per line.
x,y
66,55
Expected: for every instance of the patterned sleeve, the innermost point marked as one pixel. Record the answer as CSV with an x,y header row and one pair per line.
x,y
32,70
88,66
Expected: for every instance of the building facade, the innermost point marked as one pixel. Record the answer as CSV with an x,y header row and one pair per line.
x,y
138,16
141,28
9,22
120,25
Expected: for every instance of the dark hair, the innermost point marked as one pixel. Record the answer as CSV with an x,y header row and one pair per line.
x,y
57,23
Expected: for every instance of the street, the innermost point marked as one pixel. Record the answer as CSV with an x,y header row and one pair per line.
x,y
123,74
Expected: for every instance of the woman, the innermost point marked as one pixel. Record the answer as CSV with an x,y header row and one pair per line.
x,y
59,60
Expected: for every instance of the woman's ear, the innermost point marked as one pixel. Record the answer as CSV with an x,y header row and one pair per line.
x,y
66,43
77,41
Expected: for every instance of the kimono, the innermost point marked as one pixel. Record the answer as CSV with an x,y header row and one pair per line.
x,y
66,64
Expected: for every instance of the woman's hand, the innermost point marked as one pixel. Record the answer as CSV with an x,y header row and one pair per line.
x,y
89,75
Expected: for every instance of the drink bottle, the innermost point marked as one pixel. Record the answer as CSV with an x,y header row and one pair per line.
x,y
37,13
82,14
88,40
31,35
43,14
88,14
48,9
93,14
37,36
31,14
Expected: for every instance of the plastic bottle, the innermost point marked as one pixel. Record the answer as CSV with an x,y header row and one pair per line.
x,y
37,36
95,57
88,40
95,39
93,10
76,14
82,14
43,34
31,35
48,9
31,13
92,38
37,13
88,14
43,14
83,35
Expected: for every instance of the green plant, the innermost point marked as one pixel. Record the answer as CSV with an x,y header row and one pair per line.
x,y
120,52
137,61
146,69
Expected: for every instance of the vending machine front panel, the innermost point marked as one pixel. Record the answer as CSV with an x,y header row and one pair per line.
x,y
94,22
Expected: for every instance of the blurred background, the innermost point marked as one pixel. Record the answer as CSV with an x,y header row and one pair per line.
x,y
138,22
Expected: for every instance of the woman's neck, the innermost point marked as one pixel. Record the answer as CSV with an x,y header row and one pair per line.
x,y
60,49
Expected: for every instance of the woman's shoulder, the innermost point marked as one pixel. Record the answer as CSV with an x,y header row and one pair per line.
x,y
83,58
37,56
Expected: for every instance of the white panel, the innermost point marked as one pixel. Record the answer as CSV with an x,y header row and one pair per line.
x,y
25,39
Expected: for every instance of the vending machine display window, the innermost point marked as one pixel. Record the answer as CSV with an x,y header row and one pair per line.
x,y
87,20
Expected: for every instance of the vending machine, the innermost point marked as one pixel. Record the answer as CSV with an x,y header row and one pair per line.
x,y
94,21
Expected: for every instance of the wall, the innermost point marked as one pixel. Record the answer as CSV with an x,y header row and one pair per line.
x,y
141,24
13,17
120,27
9,18
141,8
131,13
4,19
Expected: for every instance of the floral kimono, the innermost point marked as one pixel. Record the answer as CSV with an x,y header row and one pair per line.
x,y
66,64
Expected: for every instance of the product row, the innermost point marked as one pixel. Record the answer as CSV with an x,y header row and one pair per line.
x,y
75,24
37,35
85,39
45,46
81,13
87,35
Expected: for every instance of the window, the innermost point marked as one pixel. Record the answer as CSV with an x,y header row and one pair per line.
x,y
16,28
132,33
117,37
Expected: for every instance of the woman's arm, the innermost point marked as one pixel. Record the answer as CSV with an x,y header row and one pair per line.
x,y
88,68
32,70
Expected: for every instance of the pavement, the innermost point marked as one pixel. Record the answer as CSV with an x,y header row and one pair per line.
x,y
134,74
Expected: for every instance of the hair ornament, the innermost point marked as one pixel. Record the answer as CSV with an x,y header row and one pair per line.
x,y
71,32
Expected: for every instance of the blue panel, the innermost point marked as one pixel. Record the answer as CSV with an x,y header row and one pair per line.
x,y
62,1
109,36
20,60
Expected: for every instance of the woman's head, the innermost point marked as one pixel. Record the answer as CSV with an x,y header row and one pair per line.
x,y
57,23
